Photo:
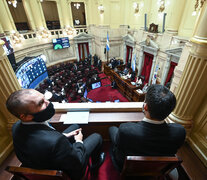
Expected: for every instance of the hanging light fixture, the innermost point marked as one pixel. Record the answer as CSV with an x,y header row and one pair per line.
x,y
13,3
101,9
196,7
77,5
162,6
136,7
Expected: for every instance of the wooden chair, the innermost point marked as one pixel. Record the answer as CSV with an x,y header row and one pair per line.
x,y
22,173
149,166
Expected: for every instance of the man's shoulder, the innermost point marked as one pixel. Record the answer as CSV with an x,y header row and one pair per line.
x,y
176,126
130,126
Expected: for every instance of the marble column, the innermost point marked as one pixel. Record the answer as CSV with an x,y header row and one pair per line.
x,y
90,46
1,29
173,16
37,14
65,13
8,84
191,91
6,19
29,15
124,50
152,68
140,61
60,14
166,70
77,53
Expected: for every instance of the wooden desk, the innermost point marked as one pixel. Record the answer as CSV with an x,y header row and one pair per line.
x,y
124,86
100,122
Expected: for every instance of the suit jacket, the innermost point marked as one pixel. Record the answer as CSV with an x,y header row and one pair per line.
x,y
41,147
146,139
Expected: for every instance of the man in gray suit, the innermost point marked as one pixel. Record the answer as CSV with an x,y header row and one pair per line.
x,y
38,145
152,136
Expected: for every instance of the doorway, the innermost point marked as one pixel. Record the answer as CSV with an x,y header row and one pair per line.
x,y
51,14
19,16
78,13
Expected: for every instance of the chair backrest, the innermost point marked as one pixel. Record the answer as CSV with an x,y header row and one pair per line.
x,y
149,166
34,174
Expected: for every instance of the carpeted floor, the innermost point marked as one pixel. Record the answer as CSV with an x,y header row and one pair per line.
x,y
107,171
104,93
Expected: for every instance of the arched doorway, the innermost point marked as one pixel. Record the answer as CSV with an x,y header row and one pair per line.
x,y
146,70
129,50
83,50
19,16
51,14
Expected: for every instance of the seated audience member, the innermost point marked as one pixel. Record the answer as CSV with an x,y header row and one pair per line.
x,y
144,89
39,146
152,136
99,65
125,71
133,74
129,64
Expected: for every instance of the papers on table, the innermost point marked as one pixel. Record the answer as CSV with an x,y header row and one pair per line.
x,y
77,117
140,91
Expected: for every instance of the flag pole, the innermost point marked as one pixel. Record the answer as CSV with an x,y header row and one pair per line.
x,y
107,52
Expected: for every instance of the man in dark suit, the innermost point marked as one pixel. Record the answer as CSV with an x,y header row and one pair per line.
x,y
37,145
152,136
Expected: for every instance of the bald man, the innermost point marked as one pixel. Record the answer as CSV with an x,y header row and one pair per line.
x,y
38,145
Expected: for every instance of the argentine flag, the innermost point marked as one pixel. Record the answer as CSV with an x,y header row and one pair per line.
x,y
107,43
134,63
154,78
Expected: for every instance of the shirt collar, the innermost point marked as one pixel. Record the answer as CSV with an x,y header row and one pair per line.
x,y
152,121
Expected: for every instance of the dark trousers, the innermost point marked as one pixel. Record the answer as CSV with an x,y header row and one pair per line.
x,y
113,150
92,143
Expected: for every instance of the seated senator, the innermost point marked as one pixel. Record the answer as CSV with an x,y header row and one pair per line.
x,y
152,136
39,146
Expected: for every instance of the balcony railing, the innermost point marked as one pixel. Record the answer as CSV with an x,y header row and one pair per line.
x,y
55,32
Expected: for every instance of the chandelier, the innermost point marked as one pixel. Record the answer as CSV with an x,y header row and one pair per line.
x,y
196,7
13,3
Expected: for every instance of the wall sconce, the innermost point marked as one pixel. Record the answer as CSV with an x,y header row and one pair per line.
x,y
13,3
136,7
201,2
162,6
101,9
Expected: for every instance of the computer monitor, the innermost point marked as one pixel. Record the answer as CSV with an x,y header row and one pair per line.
x,y
31,72
61,43
96,85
